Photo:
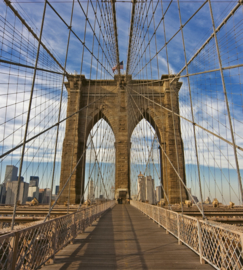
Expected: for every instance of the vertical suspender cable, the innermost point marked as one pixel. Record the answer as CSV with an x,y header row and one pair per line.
x,y
226,101
28,115
60,106
194,131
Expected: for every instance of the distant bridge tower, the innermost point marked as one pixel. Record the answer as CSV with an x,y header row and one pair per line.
x,y
115,109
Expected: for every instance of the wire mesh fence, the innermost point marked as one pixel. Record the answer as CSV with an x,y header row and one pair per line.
x,y
219,245
31,247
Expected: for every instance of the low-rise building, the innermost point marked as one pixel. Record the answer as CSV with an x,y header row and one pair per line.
x,y
33,192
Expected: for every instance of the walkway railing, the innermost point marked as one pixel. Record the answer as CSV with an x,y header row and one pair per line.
x,y
218,244
31,247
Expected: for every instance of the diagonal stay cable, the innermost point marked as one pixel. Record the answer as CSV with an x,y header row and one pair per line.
x,y
212,133
179,177
8,3
78,38
56,124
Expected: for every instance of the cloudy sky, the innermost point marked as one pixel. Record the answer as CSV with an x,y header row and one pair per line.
x,y
216,157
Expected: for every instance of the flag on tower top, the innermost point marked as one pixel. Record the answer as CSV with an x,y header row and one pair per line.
x,y
115,67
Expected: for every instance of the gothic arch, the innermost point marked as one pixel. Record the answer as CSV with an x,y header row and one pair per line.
x,y
97,115
147,116
113,104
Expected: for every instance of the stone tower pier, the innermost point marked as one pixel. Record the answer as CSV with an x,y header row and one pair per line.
x,y
113,104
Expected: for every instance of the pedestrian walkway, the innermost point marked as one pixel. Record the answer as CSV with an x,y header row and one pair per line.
x,y
124,238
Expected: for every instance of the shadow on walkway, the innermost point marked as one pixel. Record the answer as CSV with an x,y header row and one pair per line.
x,y
125,239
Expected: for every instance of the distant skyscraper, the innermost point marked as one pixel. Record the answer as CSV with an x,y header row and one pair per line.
x,y
141,188
57,190
44,195
91,194
10,173
34,181
149,183
113,192
158,193
48,195
11,189
2,193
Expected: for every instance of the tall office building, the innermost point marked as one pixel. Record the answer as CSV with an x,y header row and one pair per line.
x,y
149,183
33,191
113,192
48,195
11,190
91,193
34,181
158,193
2,193
56,190
10,173
44,195
141,188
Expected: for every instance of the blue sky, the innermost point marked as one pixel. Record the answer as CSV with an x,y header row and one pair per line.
x,y
207,95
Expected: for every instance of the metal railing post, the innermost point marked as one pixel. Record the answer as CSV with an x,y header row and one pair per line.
x,y
153,213
166,219
53,242
178,228
91,216
73,229
202,261
14,244
83,220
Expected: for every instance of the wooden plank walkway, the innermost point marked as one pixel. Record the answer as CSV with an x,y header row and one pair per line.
x,y
124,238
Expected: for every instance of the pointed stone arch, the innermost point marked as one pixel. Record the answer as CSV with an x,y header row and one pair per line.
x,y
112,102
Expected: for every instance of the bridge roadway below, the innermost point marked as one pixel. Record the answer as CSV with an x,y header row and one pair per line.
x,y
124,238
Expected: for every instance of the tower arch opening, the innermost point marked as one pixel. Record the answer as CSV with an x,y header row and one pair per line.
x,y
145,163
99,180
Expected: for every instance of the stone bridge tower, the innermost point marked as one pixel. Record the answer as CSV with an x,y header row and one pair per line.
x,y
112,104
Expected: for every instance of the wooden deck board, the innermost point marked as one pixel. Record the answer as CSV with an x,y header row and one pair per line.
x,y
125,239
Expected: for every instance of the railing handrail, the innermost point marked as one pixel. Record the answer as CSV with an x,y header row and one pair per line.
x,y
210,234
23,246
